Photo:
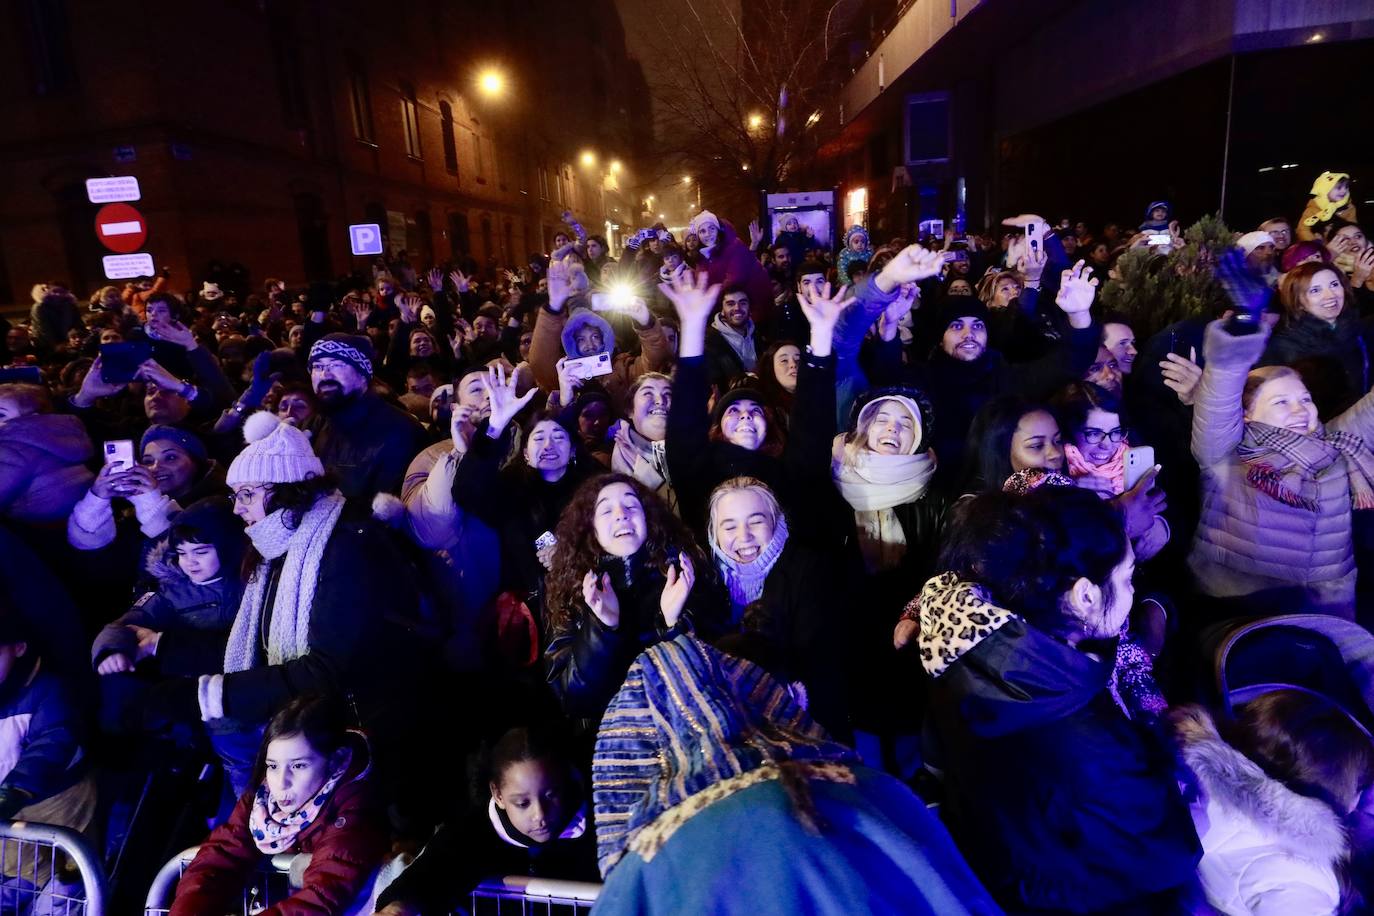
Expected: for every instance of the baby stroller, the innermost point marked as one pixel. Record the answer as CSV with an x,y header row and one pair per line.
x,y
1315,653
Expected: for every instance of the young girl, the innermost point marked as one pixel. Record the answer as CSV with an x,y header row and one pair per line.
x,y
624,576
185,620
1273,794
312,796
537,822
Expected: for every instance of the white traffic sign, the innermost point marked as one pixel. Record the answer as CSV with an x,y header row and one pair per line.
x,y
366,238
124,266
112,190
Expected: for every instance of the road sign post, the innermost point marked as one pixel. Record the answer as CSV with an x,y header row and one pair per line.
x,y
365,238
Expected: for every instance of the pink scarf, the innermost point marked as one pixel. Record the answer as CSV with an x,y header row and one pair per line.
x,y
1113,469
275,831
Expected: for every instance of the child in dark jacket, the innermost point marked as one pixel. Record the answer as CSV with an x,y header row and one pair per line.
x,y
43,772
312,796
184,622
536,823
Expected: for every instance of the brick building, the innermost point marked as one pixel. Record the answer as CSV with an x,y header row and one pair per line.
x,y
259,129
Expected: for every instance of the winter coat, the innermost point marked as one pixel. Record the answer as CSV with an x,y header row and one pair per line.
x,y
1248,541
723,362
40,736
194,620
485,845
51,319
369,444
733,265
43,467
1302,232
554,338
849,256
1341,373
1058,801
1267,851
587,660
345,842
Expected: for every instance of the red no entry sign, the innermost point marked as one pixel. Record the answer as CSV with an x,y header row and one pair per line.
x,y
121,228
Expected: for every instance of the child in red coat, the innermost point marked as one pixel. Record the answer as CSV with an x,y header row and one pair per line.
x,y
312,796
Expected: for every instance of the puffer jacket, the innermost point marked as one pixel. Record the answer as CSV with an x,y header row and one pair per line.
x,y
553,338
345,842
43,469
1246,540
1266,850
1058,801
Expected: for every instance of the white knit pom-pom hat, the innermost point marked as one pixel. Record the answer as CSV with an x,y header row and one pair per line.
x,y
277,452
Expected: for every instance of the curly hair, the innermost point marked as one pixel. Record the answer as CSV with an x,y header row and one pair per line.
x,y
578,551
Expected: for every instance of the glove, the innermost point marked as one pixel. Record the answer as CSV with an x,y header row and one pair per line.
x,y
262,379
1248,292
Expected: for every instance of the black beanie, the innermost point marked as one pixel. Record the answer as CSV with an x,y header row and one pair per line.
x,y
952,308
733,395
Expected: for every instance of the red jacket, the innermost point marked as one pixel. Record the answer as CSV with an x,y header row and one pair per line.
x,y
732,264
346,843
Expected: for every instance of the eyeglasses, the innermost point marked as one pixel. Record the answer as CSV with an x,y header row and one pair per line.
x,y
1095,436
245,496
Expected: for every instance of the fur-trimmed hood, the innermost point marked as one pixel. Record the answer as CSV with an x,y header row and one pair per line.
x,y
1304,827
579,319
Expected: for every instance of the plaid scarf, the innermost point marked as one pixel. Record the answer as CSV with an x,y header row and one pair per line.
x,y
1272,454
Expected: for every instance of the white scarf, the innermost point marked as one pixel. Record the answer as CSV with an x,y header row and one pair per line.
x,y
288,636
873,484
647,462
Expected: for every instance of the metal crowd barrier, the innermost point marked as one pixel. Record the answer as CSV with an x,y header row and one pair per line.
x,y
496,897
48,871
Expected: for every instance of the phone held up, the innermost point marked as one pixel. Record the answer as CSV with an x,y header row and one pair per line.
x,y
119,453
585,367
1138,461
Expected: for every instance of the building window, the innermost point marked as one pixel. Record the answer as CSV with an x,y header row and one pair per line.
x,y
285,43
410,120
360,98
446,131
543,183
48,46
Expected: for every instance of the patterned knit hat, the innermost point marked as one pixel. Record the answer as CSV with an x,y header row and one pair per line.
x,y
277,452
354,349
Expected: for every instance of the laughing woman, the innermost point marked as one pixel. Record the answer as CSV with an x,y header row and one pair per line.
x,y
624,576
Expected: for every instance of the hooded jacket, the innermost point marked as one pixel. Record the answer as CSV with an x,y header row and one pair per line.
x,y
43,469
555,336
1321,209
1059,802
1246,540
1267,851
346,842
849,255
40,735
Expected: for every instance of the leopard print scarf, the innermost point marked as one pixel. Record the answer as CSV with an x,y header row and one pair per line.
x,y
955,616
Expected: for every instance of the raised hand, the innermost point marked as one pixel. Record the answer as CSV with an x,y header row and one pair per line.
x,y
889,322
94,387
462,424
150,371
1182,375
676,588
1077,288
173,332
504,402
435,279
636,308
694,298
755,234
1031,265
601,598
823,310
560,284
1364,266
1140,504
409,305
567,383
459,280
910,265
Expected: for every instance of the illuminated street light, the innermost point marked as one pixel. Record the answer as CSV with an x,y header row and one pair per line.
x,y
615,166
491,82
814,119
755,121
588,158
661,216
686,179
745,166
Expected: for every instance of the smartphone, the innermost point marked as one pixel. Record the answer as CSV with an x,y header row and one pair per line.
x,y
1158,239
119,362
120,453
31,375
545,541
1138,461
585,367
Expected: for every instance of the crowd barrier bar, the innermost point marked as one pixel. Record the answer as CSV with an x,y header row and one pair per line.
x,y
32,849
534,895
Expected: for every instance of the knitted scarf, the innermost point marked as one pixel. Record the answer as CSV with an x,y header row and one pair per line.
x,y
289,633
873,484
1273,454
645,461
1113,469
746,579
274,830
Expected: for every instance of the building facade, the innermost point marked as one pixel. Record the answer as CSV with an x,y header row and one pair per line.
x,y
260,130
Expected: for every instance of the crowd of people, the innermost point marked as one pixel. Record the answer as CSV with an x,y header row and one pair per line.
x,y
701,569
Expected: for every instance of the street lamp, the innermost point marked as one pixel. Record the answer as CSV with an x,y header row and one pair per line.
x,y
588,158
686,179
755,121
491,82
615,166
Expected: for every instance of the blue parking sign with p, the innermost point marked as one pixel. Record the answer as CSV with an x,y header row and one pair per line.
x,y
366,238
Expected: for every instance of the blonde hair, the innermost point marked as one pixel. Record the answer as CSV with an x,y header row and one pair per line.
x,y
1256,380
857,441
734,485
987,287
